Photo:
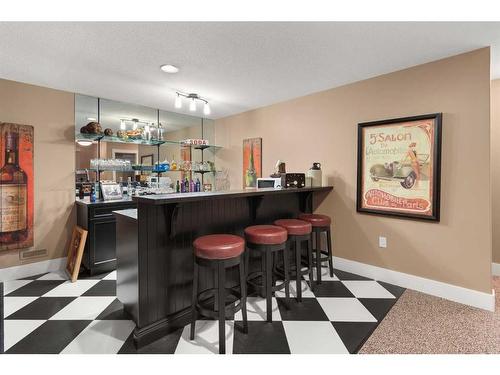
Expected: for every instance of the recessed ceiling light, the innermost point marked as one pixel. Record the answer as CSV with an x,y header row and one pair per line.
x,y
167,68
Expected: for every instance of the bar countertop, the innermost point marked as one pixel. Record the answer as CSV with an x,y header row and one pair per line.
x,y
199,196
86,202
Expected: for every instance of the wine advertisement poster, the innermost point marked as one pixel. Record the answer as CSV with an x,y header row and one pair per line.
x,y
16,186
252,161
399,167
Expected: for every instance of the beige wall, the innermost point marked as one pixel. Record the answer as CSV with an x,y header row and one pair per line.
x,y
323,127
51,112
495,165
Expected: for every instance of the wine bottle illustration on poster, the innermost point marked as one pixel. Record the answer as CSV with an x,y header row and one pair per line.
x,y
16,186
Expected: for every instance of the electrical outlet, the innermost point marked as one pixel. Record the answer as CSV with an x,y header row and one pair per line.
x,y
382,241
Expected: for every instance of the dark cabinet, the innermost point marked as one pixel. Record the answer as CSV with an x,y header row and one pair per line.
x,y
98,219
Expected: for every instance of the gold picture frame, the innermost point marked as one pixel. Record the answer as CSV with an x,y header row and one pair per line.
x,y
75,252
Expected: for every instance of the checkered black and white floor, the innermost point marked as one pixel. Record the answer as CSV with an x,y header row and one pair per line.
x,y
48,314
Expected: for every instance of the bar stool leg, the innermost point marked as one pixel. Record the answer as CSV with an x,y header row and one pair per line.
x,y
269,282
330,254
243,302
286,270
318,257
221,273
298,264
193,301
310,260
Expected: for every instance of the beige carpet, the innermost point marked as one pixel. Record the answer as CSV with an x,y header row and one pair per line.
x,y
419,323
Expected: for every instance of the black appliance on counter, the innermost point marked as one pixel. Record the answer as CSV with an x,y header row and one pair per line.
x,y
293,180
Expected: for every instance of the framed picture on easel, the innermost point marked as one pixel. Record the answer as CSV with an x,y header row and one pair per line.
x,y
75,252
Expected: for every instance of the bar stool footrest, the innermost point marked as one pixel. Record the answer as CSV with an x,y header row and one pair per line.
x,y
231,307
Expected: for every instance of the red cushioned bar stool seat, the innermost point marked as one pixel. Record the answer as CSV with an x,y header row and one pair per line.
x,y
267,240
320,224
299,231
219,252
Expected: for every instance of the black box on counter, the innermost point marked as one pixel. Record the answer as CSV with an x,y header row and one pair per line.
x,y
293,180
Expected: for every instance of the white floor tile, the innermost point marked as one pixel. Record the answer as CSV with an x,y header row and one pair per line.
x,y
256,309
69,289
101,337
16,330
306,291
345,310
12,304
206,338
83,308
367,289
54,276
313,338
110,276
10,286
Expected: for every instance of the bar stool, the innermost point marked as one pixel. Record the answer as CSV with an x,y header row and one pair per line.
x,y
298,232
320,224
220,252
267,240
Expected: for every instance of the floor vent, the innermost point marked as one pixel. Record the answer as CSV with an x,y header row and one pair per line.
x,y
31,254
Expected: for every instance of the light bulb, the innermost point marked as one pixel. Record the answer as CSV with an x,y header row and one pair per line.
x,y
178,101
123,126
206,109
192,105
135,125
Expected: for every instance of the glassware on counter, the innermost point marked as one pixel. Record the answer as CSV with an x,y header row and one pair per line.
x,y
111,164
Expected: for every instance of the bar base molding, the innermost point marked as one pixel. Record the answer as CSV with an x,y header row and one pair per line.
x,y
450,292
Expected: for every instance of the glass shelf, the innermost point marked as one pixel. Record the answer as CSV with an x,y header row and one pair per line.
x,y
153,142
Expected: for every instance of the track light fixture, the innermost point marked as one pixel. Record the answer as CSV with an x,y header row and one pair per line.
x,y
192,102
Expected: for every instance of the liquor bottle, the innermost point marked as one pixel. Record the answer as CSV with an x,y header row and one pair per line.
x,y
250,173
198,185
186,185
178,187
192,186
13,195
92,193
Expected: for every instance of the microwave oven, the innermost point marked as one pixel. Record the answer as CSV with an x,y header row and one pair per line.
x,y
268,182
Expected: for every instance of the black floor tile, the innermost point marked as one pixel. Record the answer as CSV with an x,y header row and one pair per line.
x,y
262,338
342,275
165,345
395,290
42,308
308,309
50,338
103,288
331,289
36,288
85,275
114,311
378,307
354,334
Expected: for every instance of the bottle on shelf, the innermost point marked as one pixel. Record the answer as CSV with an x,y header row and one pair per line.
x,y
13,194
177,187
92,194
186,186
192,186
96,191
173,164
198,185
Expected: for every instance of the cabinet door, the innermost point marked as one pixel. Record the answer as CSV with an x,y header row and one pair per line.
x,y
104,244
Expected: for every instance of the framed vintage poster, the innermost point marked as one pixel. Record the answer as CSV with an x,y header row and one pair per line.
x,y
252,161
75,252
16,186
399,167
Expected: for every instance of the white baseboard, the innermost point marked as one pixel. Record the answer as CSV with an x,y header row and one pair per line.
x,y
495,269
30,269
436,288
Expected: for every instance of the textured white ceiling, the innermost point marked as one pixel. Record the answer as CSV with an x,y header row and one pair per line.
x,y
236,66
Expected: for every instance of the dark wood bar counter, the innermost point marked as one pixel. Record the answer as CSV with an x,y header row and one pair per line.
x,y
154,254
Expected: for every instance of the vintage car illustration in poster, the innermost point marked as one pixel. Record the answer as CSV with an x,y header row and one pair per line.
x,y
399,167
